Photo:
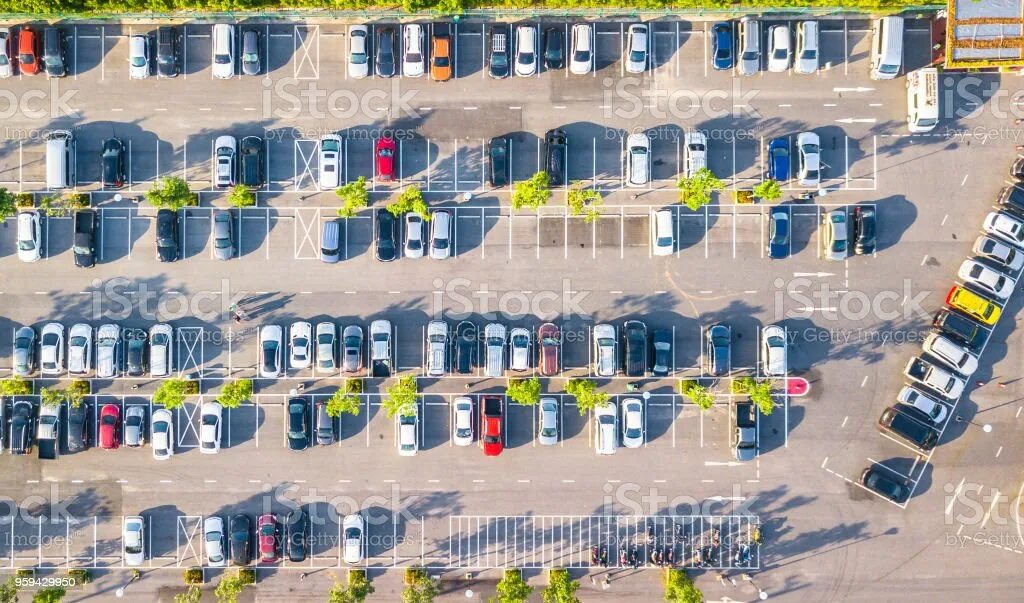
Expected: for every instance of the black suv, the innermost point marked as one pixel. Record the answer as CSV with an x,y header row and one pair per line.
x,y
386,52
22,418
167,51
241,542
251,150
298,424
167,235
910,424
78,428
54,60
136,356
635,345
554,48
961,328
863,229
386,248
113,163
555,151
497,153
498,61
465,347
297,526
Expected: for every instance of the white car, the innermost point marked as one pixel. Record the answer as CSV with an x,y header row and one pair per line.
x,y
6,47
663,237
51,349
519,349
326,344
138,57
606,427
30,236
911,396
160,338
982,277
354,529
547,428
696,148
806,60
330,162
358,51
437,348
213,538
778,48
414,228
300,345
163,434
494,349
834,236
999,252
134,540
79,349
225,156
271,344
408,432
605,350
632,423
773,340
223,51
809,146
1006,227
210,420
414,57
636,49
108,347
638,159
526,50
440,234
462,433
581,58
950,353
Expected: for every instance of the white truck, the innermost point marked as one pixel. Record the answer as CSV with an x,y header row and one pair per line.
x,y
923,100
48,432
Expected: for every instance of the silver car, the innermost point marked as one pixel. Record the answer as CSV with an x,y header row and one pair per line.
x,y
437,348
24,351
51,349
358,51
213,537
134,541
779,51
547,432
519,349
809,146
300,335
326,340
462,432
135,426
138,57
632,423
605,350
80,349
163,434
636,49
773,338
6,47
160,357
494,348
223,236
108,351
352,349
834,237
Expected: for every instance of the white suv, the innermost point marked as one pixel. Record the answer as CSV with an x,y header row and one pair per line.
x,y
638,160
606,425
226,153
414,58
526,50
209,427
437,348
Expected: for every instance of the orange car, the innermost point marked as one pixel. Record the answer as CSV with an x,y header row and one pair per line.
x,y
28,51
441,57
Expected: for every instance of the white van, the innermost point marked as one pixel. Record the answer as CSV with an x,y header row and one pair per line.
x,y
223,51
60,159
923,99
886,48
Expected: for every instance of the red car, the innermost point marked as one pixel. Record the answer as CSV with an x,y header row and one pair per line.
x,y
28,51
266,532
110,423
385,158
492,412
550,348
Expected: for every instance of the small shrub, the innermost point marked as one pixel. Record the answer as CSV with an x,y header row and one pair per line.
x,y
193,575
80,576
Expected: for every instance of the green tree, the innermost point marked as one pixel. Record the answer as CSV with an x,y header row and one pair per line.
x,y
171,192
419,586
524,391
242,196
194,594
679,588
76,391
701,395
533,192
354,197
356,591
512,588
15,386
172,392
8,204
402,396
411,200
759,390
53,594
230,586
345,399
561,588
696,190
9,591
584,201
233,394
769,190
59,206
51,396
586,394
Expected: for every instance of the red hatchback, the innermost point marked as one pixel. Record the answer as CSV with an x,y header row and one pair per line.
x,y
110,423
550,348
28,51
385,158
266,532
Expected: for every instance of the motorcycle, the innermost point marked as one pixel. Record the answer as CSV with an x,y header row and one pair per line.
x,y
604,555
670,555
623,557
742,554
634,555
715,538
593,555
650,533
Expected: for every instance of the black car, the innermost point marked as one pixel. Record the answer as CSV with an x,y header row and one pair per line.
x,y
241,541
662,348
884,485
719,344
863,230
251,151
136,356
465,347
961,328
721,45
167,235
497,154
554,48
78,428
778,233
555,149
1012,198
1017,169
498,60
298,424
22,428
84,244
166,51
386,52
297,525
634,335
113,163
54,60
387,233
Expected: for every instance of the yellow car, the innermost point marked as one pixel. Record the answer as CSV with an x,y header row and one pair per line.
x,y
972,304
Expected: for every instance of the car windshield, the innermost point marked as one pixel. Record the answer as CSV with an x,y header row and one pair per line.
x,y
134,549
750,55
385,153
462,432
605,342
4,60
809,54
812,175
637,56
520,341
810,149
441,61
495,342
222,59
26,245
250,57
27,59
498,59
581,56
780,54
525,58
138,61
779,230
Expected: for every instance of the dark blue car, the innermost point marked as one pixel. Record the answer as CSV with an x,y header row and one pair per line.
x,y
721,45
778,233
778,159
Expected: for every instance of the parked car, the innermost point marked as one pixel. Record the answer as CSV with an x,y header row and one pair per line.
x,y
112,158
24,351
414,235
268,538
134,426
213,537
834,236
437,348
695,152
999,253
555,156
986,280
163,434
498,57
385,158
951,353
326,344
719,343
462,425
226,158
519,349
606,353
6,56
161,357
721,46
298,424
779,50
465,347
138,57
884,485
352,349
297,525
441,53
933,409
30,236
526,50
638,160
773,340
355,534
407,424
80,349
51,349
635,341
497,156
300,345
251,161
636,48
806,60
167,59
324,428
210,421
863,230
606,429
385,247
809,145
251,52
330,162
581,57
167,235
223,48
778,159
549,339
414,58
358,51
749,46
961,328
241,540
1006,227
494,348
554,48
385,51
547,425
133,539
440,234
633,430
110,427
223,236
664,361
778,233
22,427
973,305
79,428
28,51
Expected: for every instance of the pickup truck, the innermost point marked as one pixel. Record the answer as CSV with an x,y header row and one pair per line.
x,y
492,413
934,378
744,436
380,348
48,432
84,246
